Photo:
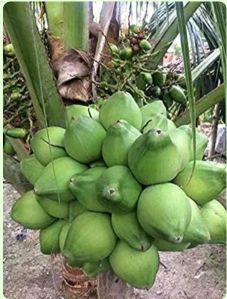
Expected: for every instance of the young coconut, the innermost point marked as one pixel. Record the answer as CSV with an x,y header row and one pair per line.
x,y
75,111
90,238
128,229
49,237
120,105
119,138
214,216
164,212
206,182
154,158
28,212
55,178
83,139
137,268
83,187
47,144
197,231
31,168
117,189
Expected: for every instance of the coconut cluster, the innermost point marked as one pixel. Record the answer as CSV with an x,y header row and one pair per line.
x,y
119,185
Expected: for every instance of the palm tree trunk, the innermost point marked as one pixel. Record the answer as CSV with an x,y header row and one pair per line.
x,y
77,285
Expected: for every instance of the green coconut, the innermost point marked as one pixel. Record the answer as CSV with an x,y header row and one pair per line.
x,y
63,235
137,268
163,245
182,140
117,189
75,209
28,212
55,178
16,132
49,237
214,216
167,99
128,229
207,181
201,142
145,45
75,111
74,263
95,268
119,138
90,238
120,105
55,208
83,186
154,158
153,108
113,49
31,168
159,78
157,121
177,94
153,91
197,231
126,53
8,148
83,139
134,28
47,144
164,212
143,79
171,125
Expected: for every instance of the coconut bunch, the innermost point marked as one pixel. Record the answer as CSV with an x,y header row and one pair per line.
x,y
117,186
159,84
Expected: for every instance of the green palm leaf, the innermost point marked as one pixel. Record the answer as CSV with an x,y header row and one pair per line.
x,y
187,69
30,51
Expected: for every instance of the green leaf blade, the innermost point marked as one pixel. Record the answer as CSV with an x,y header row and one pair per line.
x,y
21,27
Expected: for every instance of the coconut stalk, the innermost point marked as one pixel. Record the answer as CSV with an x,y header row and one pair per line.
x,y
54,12
69,43
67,26
30,51
75,26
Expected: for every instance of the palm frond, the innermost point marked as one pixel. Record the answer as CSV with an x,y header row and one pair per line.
x,y
219,13
203,104
164,37
205,64
187,70
20,24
